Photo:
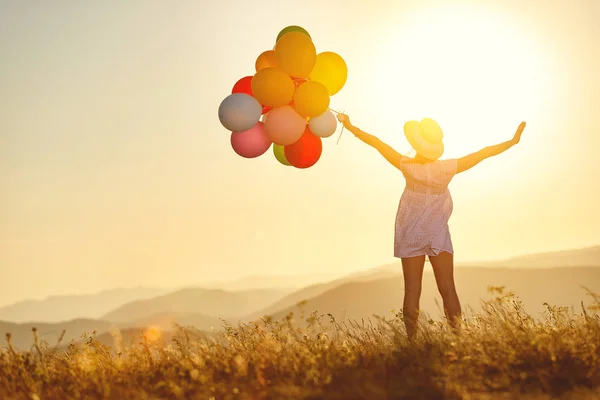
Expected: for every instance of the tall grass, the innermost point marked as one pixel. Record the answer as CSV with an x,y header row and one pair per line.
x,y
500,352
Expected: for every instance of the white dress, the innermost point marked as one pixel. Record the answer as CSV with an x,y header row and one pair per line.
x,y
425,207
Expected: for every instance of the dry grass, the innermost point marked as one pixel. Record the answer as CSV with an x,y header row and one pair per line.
x,y
501,352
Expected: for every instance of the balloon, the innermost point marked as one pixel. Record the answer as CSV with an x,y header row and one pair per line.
x,y
292,28
244,85
323,125
273,87
305,152
251,143
267,59
330,69
239,112
280,154
296,54
311,99
263,117
284,125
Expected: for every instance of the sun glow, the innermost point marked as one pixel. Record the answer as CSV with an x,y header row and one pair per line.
x,y
476,72
152,334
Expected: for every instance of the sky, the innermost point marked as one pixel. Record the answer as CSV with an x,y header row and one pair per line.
x,y
116,172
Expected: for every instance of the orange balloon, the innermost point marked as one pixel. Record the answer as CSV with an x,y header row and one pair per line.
x,y
273,87
311,99
296,54
265,60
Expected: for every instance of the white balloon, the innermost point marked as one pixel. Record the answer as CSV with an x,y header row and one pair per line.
x,y
239,112
323,125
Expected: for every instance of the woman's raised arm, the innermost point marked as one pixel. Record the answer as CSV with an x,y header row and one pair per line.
x,y
391,155
469,161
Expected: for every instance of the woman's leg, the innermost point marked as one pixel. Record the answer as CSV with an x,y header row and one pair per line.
x,y
412,269
443,269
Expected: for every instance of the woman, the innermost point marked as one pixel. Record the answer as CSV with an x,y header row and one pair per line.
x,y
425,206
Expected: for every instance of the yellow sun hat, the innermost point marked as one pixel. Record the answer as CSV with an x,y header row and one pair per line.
x,y
425,137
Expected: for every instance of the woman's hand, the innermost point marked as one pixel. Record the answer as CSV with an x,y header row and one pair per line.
x,y
517,136
344,119
469,161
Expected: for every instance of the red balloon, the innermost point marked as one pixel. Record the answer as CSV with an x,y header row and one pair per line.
x,y
305,152
244,85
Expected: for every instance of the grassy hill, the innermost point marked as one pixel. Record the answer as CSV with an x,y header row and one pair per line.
x,y
22,334
503,354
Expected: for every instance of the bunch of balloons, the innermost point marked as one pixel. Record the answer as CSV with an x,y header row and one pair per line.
x,y
286,102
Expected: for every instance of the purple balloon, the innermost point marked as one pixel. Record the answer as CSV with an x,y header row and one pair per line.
x,y
239,112
251,143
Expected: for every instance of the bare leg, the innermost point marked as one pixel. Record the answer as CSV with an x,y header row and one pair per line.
x,y
412,269
443,269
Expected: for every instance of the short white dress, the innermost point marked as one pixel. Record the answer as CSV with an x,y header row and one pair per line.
x,y
425,207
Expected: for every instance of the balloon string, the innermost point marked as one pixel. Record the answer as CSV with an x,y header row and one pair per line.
x,y
339,137
342,131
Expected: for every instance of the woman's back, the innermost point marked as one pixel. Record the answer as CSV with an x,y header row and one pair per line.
x,y
431,178
425,207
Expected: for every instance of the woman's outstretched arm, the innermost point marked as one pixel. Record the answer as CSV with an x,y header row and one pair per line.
x,y
467,162
386,151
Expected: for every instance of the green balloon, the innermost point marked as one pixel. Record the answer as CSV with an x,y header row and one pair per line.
x,y
292,28
280,154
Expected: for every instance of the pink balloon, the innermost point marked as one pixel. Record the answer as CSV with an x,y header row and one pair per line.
x,y
284,125
251,143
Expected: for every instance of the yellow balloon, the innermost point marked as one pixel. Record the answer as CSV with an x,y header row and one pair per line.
x,y
331,70
265,60
273,87
311,99
296,54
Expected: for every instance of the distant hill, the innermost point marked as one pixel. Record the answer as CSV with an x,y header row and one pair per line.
x,y
65,308
165,321
582,257
215,303
356,300
314,290
280,282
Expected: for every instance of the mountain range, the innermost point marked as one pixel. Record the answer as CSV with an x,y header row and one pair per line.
x,y
377,291
64,308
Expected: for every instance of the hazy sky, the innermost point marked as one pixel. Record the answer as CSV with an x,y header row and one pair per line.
x,y
115,170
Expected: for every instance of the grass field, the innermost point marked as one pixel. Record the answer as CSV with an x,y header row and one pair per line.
x,y
499,353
